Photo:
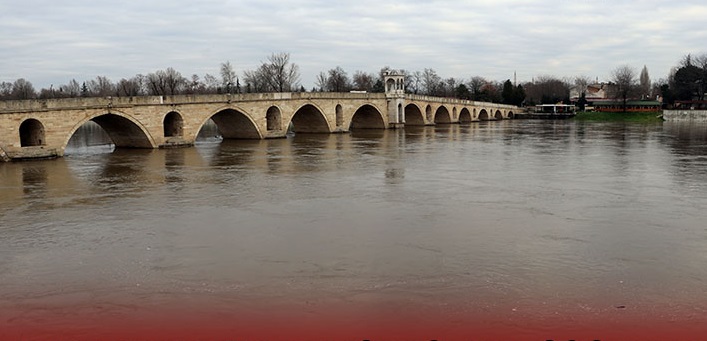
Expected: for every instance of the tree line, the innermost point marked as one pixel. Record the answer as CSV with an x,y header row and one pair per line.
x,y
276,74
279,74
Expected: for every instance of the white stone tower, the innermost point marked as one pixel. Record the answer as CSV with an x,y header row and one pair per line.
x,y
395,93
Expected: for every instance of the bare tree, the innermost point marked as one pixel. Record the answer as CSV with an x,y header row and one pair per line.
x,y
155,83
174,80
195,86
165,82
363,81
228,77
254,80
100,87
547,89
277,74
700,61
5,90
412,81
23,89
281,75
475,85
624,78
338,80
211,84
580,84
450,87
130,87
430,82
71,89
322,81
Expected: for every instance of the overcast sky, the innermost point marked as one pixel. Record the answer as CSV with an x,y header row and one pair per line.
x,y
51,42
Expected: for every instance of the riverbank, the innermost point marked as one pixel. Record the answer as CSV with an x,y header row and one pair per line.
x,y
652,116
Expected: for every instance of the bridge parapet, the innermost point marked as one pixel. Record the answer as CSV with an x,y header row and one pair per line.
x,y
35,105
425,98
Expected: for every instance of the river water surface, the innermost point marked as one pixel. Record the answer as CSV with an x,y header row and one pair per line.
x,y
520,229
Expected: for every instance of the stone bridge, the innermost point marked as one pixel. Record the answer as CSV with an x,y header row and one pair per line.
x,y
42,128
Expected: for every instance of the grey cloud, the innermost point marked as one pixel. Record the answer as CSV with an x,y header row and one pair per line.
x,y
52,42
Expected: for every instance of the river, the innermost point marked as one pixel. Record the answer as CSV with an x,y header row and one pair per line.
x,y
523,229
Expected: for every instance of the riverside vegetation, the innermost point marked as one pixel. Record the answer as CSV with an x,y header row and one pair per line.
x,y
651,116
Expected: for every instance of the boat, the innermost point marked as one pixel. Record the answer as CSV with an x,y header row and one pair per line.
x,y
552,111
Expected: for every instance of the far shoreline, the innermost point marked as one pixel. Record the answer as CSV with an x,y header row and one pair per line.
x,y
619,116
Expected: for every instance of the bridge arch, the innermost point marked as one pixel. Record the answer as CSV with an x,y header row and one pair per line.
x,y
367,117
233,123
273,119
510,115
483,115
173,124
413,115
465,116
32,133
498,115
309,119
122,129
442,115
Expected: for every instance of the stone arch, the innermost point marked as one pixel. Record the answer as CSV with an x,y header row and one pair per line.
x,y
273,119
465,116
401,113
309,119
367,117
483,115
123,130
234,124
498,115
428,113
391,85
339,116
442,116
32,133
413,115
173,124
510,115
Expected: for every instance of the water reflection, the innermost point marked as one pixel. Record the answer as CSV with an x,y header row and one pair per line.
x,y
498,221
90,138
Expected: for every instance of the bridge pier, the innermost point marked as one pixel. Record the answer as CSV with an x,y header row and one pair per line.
x,y
176,142
29,153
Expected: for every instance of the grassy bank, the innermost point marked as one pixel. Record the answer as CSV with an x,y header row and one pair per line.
x,y
653,116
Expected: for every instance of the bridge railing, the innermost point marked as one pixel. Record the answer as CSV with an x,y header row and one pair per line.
x,y
31,105
425,98
15,106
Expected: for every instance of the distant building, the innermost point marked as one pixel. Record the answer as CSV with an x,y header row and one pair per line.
x,y
595,91
599,97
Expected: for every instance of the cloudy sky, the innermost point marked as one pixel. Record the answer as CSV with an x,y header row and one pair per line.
x,y
51,42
